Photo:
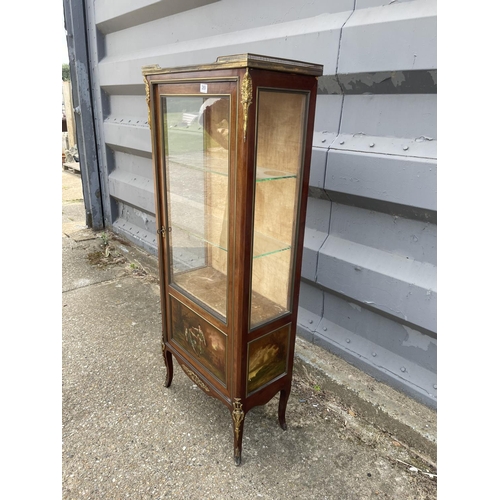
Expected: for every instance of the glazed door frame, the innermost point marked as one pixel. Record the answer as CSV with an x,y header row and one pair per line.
x,y
200,87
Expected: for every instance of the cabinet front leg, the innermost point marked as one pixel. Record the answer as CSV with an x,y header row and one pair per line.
x,y
167,356
238,421
284,394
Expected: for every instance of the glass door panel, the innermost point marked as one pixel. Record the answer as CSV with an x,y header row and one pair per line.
x,y
196,132
281,119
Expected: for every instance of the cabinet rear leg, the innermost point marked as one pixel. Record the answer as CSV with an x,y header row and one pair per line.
x,y
284,394
167,356
238,420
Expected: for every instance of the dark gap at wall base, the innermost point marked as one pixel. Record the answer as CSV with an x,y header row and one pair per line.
x,y
386,207
381,82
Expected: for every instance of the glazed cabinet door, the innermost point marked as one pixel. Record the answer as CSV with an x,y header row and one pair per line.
x,y
197,137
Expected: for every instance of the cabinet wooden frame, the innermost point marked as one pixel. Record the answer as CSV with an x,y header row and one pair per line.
x,y
244,103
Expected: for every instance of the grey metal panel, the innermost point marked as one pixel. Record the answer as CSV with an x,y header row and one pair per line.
x,y
417,81
387,366
387,115
363,4
113,16
404,237
125,136
137,189
94,40
397,36
396,179
318,215
318,167
327,119
130,225
128,107
316,232
419,147
137,165
395,285
131,219
310,39
381,124
392,336
83,106
222,17
310,310
313,240
388,350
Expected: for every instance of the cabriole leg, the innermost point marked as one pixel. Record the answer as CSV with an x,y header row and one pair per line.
x,y
284,393
167,356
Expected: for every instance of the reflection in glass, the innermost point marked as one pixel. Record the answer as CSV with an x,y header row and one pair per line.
x,y
280,134
196,131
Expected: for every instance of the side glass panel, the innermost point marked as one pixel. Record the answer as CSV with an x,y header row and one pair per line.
x,y
196,135
279,156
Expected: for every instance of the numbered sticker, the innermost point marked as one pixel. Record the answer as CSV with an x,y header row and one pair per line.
x,y
203,88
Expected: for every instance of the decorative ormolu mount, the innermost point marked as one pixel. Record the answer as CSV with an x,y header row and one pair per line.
x,y
238,416
195,378
246,100
148,100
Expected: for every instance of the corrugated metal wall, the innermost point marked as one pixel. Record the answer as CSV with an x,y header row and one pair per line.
x,y
369,270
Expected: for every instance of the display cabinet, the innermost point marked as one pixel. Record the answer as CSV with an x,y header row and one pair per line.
x,y
231,145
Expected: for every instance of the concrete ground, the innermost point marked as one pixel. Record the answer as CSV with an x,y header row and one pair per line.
x,y
126,436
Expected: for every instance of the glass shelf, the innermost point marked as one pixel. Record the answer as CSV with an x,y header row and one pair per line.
x,y
201,225
265,245
207,163
270,174
203,162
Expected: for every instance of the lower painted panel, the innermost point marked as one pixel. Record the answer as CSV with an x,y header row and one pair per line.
x,y
267,358
201,340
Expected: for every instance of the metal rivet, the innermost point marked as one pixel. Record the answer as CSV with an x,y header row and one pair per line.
x,y
435,386
310,321
372,144
403,369
341,142
406,148
325,328
374,354
348,341
323,140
